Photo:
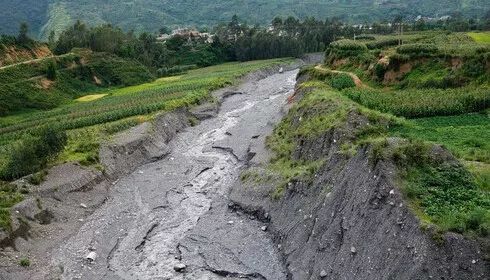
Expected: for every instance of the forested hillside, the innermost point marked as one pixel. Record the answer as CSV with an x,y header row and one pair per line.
x,y
45,16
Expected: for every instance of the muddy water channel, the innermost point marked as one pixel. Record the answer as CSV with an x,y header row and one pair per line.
x,y
173,214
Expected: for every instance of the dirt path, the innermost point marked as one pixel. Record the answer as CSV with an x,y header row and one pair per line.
x,y
354,77
33,61
175,211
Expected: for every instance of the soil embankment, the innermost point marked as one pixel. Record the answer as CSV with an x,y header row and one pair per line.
x,y
350,219
161,205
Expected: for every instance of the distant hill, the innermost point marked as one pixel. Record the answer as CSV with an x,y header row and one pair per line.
x,y
149,15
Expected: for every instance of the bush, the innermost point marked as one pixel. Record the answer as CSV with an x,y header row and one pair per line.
x,y
382,44
25,262
379,71
9,196
51,70
417,50
345,48
342,81
32,153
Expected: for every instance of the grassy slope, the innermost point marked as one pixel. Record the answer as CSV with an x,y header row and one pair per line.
x,y
443,194
447,105
150,15
25,86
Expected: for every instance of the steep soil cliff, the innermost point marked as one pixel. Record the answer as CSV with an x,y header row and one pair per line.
x,y
350,219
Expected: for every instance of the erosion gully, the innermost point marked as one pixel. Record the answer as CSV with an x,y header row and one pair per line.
x,y
173,213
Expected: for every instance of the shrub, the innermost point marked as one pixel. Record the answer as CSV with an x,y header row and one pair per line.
x,y
33,152
382,43
25,262
51,70
345,48
417,50
379,71
9,196
342,81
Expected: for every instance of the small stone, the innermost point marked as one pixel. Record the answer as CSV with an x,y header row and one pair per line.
x,y
266,215
353,250
231,204
83,205
263,228
140,172
80,220
323,274
392,192
91,256
228,133
473,261
230,222
180,267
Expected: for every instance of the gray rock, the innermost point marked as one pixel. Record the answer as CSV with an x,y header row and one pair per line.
x,y
180,267
323,273
91,256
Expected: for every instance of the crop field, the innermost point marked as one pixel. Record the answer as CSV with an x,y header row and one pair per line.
x,y
480,37
443,92
97,116
413,103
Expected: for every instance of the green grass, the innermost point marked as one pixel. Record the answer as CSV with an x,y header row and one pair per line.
x,y
319,111
450,197
480,37
25,262
9,196
465,135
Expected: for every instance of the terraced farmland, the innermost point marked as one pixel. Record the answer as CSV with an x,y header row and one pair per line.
x,y
87,123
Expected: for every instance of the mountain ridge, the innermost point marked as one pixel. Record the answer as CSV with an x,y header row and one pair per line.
x,y
45,16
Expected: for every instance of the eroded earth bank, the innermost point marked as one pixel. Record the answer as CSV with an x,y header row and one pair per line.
x,y
161,210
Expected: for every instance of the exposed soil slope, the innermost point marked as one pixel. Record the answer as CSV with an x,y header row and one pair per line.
x,y
350,219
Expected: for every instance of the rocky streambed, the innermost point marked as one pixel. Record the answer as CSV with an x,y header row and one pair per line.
x,y
162,211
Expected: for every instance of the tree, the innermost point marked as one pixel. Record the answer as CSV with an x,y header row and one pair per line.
x,y
23,38
51,70
165,30
52,40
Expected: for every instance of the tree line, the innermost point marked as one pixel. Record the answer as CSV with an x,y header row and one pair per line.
x,y
232,41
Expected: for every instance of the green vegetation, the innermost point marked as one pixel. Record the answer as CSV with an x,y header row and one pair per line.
x,y
145,15
480,37
25,262
32,152
87,123
422,103
320,111
440,81
450,197
9,196
51,82
465,135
